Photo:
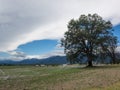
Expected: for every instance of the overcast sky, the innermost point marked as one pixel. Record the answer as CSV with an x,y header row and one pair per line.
x,y
24,21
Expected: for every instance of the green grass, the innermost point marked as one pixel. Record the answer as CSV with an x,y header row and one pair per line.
x,y
60,78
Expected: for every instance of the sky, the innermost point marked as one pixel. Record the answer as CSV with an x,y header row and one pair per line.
x,y
33,28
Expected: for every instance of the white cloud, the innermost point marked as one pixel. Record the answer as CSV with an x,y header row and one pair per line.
x,y
23,21
15,55
118,49
47,55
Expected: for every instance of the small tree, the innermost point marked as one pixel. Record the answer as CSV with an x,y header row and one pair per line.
x,y
112,41
117,54
86,36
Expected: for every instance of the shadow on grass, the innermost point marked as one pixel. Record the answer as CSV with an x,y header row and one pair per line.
x,y
102,66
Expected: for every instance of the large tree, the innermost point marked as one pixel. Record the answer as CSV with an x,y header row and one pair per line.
x,y
86,36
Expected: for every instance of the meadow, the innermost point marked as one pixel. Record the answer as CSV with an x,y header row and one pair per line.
x,y
71,77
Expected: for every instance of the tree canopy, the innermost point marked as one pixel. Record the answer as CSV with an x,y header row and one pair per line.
x,y
87,36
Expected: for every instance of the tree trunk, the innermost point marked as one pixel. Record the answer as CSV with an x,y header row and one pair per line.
x,y
89,57
113,60
90,63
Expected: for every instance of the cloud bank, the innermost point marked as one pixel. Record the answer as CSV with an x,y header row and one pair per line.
x,y
17,55
23,21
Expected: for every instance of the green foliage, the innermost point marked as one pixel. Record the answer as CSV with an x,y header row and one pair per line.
x,y
87,36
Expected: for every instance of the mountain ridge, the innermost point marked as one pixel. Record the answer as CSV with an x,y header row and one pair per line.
x,y
33,61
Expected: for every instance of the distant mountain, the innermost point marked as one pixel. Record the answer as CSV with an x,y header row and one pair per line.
x,y
50,60
10,62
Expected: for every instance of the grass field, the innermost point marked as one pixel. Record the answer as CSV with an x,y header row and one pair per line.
x,y
60,78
